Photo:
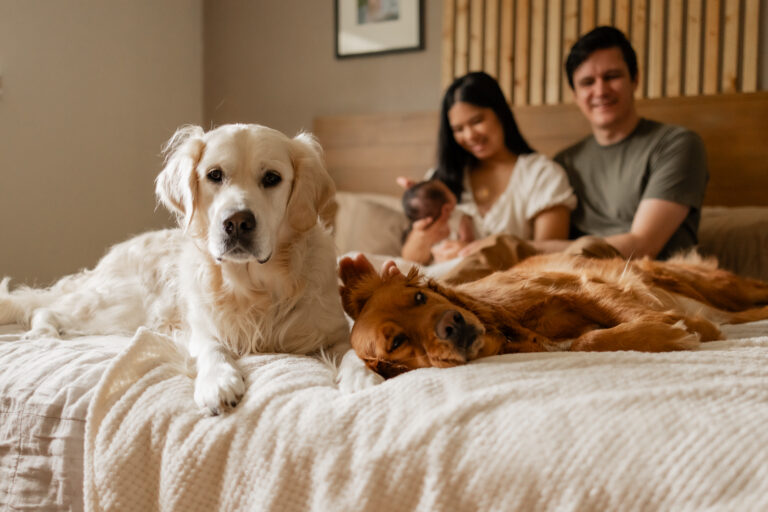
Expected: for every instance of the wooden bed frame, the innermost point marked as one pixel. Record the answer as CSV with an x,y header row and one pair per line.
x,y
364,153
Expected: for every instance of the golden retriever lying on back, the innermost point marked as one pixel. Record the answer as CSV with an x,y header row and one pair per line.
x,y
251,270
545,303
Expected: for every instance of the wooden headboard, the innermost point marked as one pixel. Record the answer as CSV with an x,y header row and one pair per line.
x,y
364,153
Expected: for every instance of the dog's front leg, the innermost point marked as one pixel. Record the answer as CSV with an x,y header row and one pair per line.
x,y
219,384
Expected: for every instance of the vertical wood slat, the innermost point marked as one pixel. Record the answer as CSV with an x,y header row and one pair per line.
x,y
554,30
447,70
570,35
605,12
711,46
750,45
491,38
537,56
655,64
475,35
461,34
730,53
506,55
621,16
521,52
587,21
674,49
693,48
639,27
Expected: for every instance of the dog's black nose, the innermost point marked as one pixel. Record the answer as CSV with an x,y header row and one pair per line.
x,y
452,327
240,223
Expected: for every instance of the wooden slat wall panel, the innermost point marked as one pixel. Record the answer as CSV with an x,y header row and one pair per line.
x,y
684,47
506,52
538,26
639,41
491,45
750,44
693,48
554,61
674,50
522,19
476,35
621,16
730,53
449,43
587,17
570,35
655,65
711,46
461,31
605,12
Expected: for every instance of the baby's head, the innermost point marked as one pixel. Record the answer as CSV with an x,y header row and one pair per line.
x,y
424,199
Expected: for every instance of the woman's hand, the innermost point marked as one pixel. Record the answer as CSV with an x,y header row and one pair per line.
x,y
426,233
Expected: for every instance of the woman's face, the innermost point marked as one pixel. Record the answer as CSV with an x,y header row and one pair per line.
x,y
477,130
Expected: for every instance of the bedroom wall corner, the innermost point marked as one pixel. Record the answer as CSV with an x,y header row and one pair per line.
x,y
91,91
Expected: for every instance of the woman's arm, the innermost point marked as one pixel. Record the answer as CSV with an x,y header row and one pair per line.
x,y
552,223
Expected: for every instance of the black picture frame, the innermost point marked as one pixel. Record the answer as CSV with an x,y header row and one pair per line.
x,y
396,26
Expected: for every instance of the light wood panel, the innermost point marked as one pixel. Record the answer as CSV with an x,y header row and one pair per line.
x,y
365,153
684,47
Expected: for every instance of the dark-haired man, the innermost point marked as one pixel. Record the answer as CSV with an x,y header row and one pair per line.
x,y
640,183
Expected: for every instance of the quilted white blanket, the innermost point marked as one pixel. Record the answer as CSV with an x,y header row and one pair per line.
x,y
555,431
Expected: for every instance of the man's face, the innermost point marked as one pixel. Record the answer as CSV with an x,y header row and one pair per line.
x,y
603,89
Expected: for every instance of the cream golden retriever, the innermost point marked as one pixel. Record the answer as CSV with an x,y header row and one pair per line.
x,y
249,270
545,303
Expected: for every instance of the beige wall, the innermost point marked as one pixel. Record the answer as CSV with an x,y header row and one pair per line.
x,y
273,62
91,90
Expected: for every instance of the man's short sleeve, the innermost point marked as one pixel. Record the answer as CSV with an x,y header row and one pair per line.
x,y
678,169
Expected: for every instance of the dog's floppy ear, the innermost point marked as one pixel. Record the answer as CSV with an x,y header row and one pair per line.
x,y
360,280
386,369
176,185
313,188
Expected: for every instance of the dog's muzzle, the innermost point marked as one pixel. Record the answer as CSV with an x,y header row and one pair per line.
x,y
454,328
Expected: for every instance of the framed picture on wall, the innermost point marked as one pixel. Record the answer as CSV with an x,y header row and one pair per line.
x,y
373,27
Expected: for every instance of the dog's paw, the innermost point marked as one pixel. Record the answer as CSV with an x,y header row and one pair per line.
x,y
41,331
354,375
219,387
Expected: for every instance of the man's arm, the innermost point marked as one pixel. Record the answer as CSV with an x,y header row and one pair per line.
x,y
654,223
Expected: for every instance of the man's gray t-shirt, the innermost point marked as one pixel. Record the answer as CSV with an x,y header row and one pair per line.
x,y
656,160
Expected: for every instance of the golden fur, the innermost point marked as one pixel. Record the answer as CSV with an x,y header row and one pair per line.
x,y
545,303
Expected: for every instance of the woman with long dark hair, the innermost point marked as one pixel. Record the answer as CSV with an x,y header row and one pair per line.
x,y
495,177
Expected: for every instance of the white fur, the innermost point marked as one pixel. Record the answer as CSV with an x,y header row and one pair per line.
x,y
275,292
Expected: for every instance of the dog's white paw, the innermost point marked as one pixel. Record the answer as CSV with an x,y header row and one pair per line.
x,y
41,331
218,387
354,375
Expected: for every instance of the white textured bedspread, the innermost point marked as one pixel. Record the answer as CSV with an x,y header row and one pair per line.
x,y
557,431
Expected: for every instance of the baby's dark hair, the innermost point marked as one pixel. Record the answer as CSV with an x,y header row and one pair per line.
x,y
424,199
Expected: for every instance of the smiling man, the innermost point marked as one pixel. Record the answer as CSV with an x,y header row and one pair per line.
x,y
640,183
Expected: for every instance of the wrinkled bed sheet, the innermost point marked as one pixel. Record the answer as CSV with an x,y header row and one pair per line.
x,y
557,431
554,431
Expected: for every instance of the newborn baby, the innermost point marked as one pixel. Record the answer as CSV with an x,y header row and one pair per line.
x,y
425,200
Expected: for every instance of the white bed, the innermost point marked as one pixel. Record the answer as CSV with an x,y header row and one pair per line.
x,y
555,431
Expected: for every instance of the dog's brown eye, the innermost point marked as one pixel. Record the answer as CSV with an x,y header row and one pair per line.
x,y
215,175
270,179
420,298
397,341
